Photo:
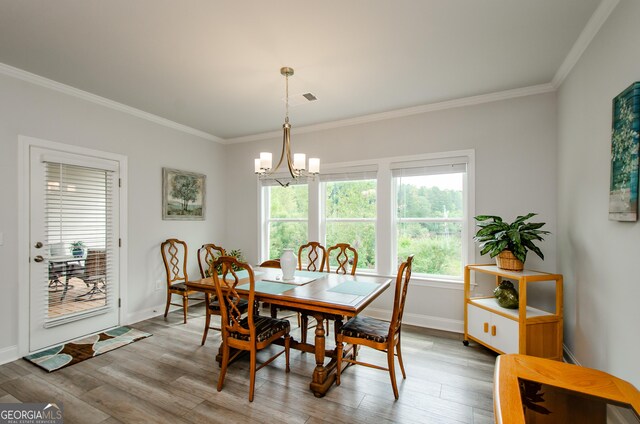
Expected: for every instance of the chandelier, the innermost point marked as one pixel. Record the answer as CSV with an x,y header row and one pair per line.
x,y
296,165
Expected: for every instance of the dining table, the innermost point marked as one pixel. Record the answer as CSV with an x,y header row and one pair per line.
x,y
321,295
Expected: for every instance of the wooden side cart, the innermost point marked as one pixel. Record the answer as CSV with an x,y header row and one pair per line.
x,y
526,330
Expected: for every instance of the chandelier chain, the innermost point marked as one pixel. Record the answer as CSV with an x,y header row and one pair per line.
x,y
286,115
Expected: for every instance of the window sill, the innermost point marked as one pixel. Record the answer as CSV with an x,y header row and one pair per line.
x,y
424,281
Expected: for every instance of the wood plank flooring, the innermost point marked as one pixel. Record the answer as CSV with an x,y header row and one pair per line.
x,y
170,378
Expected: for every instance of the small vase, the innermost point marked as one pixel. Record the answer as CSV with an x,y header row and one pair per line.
x,y
288,262
506,295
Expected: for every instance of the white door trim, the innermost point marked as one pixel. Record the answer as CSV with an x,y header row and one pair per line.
x,y
24,144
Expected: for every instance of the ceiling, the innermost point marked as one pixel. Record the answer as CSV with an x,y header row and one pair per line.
x,y
213,65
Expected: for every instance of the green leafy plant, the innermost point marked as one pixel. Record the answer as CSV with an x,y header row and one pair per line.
x,y
236,253
495,235
77,248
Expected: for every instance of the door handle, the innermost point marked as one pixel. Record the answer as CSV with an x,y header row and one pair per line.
x,y
486,327
38,245
38,258
493,330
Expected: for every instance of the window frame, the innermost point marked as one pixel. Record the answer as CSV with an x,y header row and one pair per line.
x,y
466,239
323,219
266,220
386,210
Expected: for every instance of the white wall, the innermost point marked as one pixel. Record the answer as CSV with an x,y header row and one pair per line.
x,y
31,110
515,144
598,257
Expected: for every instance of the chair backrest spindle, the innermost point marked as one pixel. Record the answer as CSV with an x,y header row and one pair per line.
x,y
174,255
316,256
343,259
400,296
207,254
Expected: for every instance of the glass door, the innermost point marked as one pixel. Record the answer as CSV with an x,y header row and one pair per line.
x,y
74,237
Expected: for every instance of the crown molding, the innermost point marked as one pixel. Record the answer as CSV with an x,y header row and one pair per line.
x,y
585,38
587,35
85,95
399,113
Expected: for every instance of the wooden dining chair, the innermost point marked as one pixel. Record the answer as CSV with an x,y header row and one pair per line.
x,y
377,334
250,332
271,263
207,254
174,256
316,257
346,257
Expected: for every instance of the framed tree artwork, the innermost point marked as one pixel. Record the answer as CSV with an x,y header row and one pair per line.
x,y
183,195
623,190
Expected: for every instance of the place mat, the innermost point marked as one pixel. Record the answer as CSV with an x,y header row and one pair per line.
x,y
268,287
297,280
357,288
70,353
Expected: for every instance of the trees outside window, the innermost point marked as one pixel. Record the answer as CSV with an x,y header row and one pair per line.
x,y
287,218
429,222
350,217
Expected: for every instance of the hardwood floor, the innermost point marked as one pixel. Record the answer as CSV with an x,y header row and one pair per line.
x,y
170,378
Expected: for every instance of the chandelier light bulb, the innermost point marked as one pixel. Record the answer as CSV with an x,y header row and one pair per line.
x,y
299,160
314,165
265,160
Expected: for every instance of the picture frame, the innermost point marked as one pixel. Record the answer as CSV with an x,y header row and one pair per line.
x,y
183,195
623,188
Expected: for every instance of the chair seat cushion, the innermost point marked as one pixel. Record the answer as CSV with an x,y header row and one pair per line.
x,y
214,306
265,327
179,287
366,328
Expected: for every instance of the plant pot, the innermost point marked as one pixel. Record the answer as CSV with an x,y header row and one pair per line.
x,y
507,260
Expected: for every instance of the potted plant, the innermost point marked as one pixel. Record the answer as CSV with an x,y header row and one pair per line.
x,y
236,253
77,249
509,243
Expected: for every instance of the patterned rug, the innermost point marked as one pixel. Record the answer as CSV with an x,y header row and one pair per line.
x,y
70,353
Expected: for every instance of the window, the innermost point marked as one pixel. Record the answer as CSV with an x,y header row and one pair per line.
x,y
387,209
350,217
430,217
286,217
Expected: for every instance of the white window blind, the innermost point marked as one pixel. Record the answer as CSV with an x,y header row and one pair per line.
x,y
450,165
79,210
282,181
362,172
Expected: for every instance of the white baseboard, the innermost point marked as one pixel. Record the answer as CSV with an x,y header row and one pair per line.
x,y
419,320
8,354
568,356
152,312
144,314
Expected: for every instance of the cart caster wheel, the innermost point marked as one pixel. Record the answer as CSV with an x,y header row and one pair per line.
x,y
465,342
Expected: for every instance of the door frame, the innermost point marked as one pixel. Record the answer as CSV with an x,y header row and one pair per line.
x,y
24,145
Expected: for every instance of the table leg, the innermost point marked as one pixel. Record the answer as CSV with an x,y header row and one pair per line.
x,y
323,377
